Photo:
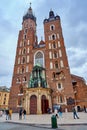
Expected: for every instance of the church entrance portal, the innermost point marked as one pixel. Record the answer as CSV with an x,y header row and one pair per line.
x,y
44,104
33,104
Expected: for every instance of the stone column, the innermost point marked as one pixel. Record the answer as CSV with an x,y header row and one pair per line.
x,y
28,104
49,99
39,111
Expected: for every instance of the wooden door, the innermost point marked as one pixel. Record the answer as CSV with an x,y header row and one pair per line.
x,y
33,104
44,104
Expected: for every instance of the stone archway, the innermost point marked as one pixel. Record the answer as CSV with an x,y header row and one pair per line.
x,y
33,104
44,104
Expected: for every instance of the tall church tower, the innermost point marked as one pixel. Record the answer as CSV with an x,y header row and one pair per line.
x,y
27,39
57,68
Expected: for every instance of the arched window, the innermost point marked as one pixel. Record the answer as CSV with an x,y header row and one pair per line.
x,y
39,58
24,51
61,99
54,45
55,55
52,27
59,86
21,90
24,43
23,70
53,37
23,60
56,64
54,75
24,79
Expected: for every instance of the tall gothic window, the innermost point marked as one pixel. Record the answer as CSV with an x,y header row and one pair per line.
x,y
54,45
55,54
53,37
39,58
24,51
61,99
23,60
56,64
23,69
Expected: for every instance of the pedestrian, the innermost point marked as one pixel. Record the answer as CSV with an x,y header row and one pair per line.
x,y
7,114
1,113
10,113
75,113
24,113
60,111
84,109
56,112
49,110
20,114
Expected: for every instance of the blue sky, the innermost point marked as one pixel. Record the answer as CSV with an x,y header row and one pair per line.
x,y
74,26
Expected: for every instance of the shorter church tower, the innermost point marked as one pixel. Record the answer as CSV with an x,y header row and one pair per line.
x,y
57,68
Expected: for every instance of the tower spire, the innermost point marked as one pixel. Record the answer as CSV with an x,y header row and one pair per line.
x,y
30,4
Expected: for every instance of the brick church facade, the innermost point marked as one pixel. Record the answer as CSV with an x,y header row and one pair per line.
x,y
41,77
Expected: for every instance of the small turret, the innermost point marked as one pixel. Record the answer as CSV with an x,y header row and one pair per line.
x,y
51,14
51,17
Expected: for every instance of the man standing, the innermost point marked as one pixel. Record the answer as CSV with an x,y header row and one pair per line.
x,y
24,113
7,114
75,113
20,114
10,113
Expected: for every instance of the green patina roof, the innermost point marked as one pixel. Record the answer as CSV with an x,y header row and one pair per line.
x,y
38,67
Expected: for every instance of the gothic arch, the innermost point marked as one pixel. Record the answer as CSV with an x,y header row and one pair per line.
x,y
44,104
33,104
39,58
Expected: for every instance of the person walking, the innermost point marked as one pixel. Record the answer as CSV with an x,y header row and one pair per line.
x,y
60,112
84,109
10,113
7,114
24,113
75,113
20,114
56,113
